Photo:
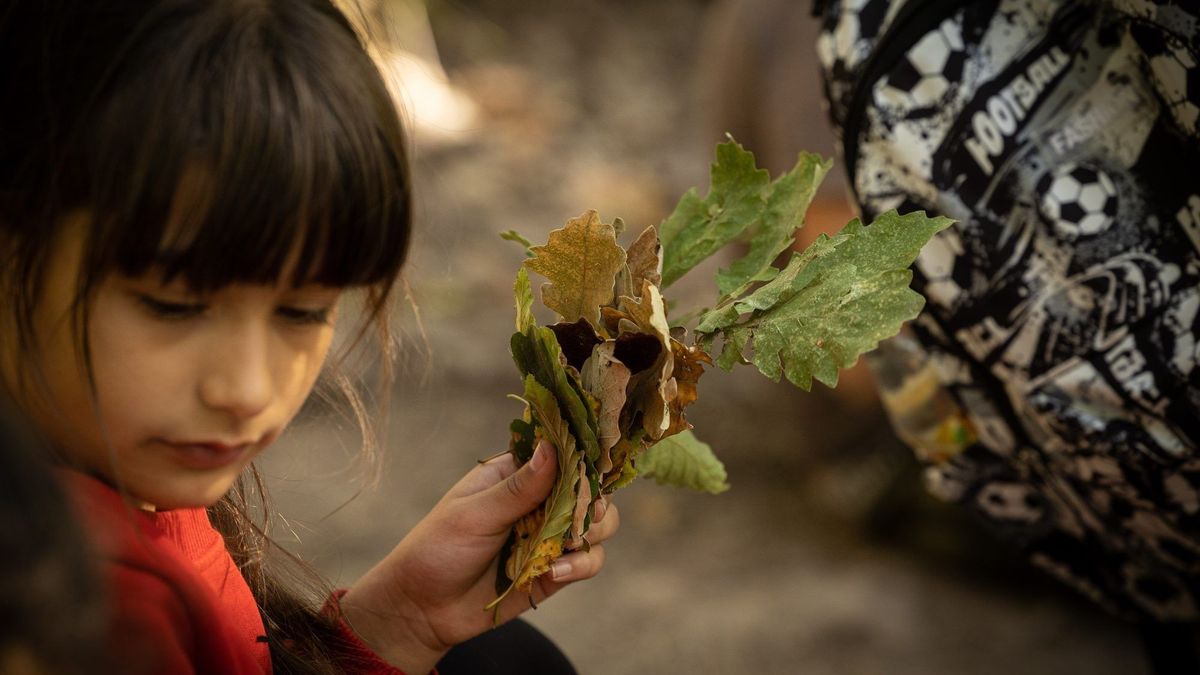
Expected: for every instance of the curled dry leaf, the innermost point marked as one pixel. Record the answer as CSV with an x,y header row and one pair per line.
x,y
583,502
610,320
576,341
606,378
654,389
644,259
623,454
688,367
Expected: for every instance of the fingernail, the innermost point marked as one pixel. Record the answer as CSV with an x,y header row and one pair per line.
x,y
601,508
560,569
539,455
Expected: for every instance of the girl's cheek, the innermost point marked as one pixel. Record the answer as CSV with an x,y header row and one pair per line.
x,y
308,362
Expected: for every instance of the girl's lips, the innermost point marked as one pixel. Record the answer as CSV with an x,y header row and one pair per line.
x,y
208,455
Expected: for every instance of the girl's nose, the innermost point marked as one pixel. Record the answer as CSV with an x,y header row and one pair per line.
x,y
239,380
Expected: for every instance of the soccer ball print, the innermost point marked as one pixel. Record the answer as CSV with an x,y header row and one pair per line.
x,y
923,77
1077,200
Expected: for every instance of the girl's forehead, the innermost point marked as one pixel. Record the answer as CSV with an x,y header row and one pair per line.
x,y
219,230
270,153
177,255
208,250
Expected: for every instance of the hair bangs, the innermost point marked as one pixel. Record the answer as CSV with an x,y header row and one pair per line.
x,y
251,155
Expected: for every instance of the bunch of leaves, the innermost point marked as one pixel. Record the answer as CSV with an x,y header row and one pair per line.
x,y
608,381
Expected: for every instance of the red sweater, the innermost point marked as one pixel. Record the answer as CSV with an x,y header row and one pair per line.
x,y
179,603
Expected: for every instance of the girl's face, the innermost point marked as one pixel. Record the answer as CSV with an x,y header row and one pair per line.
x,y
189,388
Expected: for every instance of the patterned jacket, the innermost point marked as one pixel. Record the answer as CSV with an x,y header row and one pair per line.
x,y
1050,384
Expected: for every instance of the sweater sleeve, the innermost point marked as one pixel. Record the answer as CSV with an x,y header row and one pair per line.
x,y
151,632
352,653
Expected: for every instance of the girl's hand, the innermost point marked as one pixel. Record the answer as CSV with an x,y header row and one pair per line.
x,y
428,594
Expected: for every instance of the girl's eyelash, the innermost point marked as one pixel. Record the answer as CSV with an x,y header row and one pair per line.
x,y
304,316
166,309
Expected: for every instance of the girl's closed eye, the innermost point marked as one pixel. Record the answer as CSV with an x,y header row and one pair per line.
x,y
171,310
306,316
311,307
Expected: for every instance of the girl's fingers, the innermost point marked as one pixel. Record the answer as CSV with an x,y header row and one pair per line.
x,y
604,528
572,567
599,508
517,603
484,476
578,566
518,493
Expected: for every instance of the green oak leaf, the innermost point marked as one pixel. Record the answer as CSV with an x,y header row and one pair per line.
x,y
683,460
545,411
831,303
536,352
698,227
522,440
790,196
717,319
591,408
734,346
800,270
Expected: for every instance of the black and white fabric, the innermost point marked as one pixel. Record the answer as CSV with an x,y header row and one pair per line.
x,y
1063,309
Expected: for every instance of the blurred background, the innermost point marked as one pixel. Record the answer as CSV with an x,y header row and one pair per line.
x,y
825,556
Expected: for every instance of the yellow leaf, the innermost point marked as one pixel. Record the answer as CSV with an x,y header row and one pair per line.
x,y
539,535
539,563
581,261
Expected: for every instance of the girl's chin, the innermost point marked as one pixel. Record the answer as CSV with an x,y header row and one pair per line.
x,y
180,493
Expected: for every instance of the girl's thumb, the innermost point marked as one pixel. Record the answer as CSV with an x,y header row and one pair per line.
x,y
525,488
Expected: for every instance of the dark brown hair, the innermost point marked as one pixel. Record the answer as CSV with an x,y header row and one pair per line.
x,y
52,600
210,140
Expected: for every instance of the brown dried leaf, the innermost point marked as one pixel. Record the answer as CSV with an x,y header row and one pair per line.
x,y
644,259
583,501
623,455
606,378
638,351
576,341
610,317
654,388
627,326
689,366
581,260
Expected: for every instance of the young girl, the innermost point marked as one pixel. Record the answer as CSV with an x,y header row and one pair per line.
x,y
188,188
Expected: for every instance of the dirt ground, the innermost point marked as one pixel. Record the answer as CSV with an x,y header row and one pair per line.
x,y
825,557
